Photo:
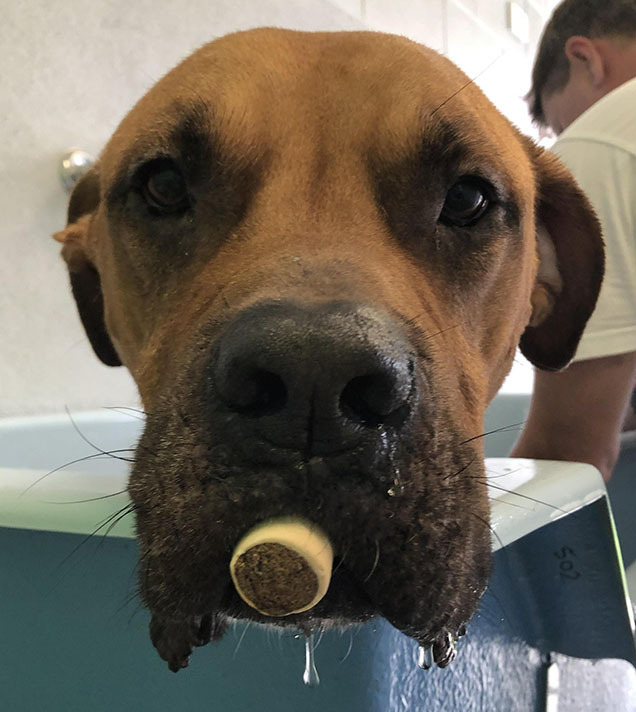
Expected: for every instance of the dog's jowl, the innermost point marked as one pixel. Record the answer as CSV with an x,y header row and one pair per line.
x,y
317,254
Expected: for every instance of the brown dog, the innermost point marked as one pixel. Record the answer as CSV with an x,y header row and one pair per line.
x,y
316,254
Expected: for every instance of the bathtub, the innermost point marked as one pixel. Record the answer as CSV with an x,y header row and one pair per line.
x,y
555,623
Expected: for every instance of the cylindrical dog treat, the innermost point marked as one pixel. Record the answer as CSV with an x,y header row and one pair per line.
x,y
282,566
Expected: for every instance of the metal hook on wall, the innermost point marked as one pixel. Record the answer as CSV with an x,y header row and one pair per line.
x,y
74,165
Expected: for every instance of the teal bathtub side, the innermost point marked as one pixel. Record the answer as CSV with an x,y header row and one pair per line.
x,y
73,636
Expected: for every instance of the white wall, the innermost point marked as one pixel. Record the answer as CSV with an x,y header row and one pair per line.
x,y
70,71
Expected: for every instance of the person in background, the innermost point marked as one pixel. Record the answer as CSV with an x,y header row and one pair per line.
x,y
584,90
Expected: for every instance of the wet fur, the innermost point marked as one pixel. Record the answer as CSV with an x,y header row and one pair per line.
x,y
188,523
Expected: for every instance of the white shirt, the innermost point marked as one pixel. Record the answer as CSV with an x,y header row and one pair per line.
x,y
599,148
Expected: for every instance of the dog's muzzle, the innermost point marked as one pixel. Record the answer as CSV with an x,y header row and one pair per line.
x,y
322,416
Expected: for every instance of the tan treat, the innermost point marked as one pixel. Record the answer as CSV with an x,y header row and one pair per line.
x,y
282,566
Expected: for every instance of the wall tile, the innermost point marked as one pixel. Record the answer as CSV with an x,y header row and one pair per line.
x,y
351,7
420,20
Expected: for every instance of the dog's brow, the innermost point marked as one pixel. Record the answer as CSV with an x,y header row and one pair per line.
x,y
191,141
447,147
194,140
443,145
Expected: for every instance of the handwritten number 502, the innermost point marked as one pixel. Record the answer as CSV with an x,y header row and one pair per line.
x,y
567,568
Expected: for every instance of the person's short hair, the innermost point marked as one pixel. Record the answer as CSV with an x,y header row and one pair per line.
x,y
588,18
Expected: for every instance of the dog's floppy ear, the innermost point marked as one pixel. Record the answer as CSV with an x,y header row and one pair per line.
x,y
85,281
571,264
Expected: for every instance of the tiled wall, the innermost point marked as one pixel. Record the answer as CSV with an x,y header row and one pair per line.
x,y
473,33
71,69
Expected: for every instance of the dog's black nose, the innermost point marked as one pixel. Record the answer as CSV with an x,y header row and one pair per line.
x,y
314,377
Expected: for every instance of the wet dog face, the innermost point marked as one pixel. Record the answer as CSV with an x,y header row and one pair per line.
x,y
316,254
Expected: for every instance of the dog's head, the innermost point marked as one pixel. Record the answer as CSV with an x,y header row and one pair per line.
x,y
317,254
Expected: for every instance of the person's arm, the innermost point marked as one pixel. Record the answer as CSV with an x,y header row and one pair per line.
x,y
578,414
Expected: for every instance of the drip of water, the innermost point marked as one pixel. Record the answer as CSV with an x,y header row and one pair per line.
x,y
425,657
396,489
310,676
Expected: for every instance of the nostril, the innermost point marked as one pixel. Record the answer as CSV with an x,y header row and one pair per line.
x,y
256,392
375,399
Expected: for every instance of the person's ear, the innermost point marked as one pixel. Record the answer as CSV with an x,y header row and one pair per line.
x,y
571,264
585,57
85,280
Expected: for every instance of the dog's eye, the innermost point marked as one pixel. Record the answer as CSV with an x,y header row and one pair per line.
x,y
164,188
465,203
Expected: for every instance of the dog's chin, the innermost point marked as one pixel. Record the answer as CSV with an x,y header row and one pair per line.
x,y
346,604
